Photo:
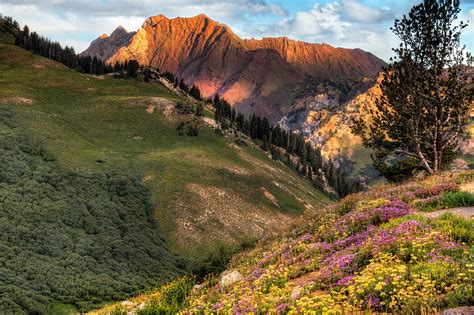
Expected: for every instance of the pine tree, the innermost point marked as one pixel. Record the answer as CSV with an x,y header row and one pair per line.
x,y
199,110
418,121
195,93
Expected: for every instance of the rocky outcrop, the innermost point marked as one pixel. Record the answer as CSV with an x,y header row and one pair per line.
x,y
106,46
322,60
229,278
256,76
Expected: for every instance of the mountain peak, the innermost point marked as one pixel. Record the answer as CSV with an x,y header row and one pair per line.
x,y
119,30
202,16
268,73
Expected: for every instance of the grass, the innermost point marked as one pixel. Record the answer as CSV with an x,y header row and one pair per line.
x,y
70,238
402,263
167,299
457,199
92,126
448,200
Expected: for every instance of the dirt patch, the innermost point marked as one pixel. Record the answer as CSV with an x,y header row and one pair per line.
x,y
161,103
210,122
466,212
137,138
16,100
237,170
234,146
209,214
469,187
44,63
148,178
465,310
150,109
269,196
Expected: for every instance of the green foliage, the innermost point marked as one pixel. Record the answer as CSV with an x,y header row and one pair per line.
x,y
346,205
215,261
72,238
195,93
457,199
419,118
99,130
458,228
193,129
282,144
466,177
448,200
171,298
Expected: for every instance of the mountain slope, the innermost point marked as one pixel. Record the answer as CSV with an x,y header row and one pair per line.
x,y
130,180
105,46
390,250
325,118
261,76
322,61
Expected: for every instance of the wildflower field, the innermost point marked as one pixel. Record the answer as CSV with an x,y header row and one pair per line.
x,y
375,251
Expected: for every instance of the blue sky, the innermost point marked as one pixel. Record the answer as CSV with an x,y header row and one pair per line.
x,y
343,23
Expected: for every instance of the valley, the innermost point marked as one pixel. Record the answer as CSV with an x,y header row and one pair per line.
x,y
202,193
186,167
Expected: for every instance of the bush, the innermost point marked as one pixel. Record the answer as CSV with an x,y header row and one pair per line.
x,y
458,228
193,129
457,199
70,238
170,298
346,205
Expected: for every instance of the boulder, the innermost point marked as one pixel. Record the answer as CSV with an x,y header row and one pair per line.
x,y
229,278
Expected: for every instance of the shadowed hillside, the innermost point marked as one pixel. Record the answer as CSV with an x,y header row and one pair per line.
x,y
108,184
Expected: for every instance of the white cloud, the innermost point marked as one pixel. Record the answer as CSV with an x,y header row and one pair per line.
x,y
84,20
358,12
343,23
321,20
340,24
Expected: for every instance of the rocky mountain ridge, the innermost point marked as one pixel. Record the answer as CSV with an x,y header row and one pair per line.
x,y
256,76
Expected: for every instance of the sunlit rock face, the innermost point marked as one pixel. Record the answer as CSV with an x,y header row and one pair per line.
x,y
256,76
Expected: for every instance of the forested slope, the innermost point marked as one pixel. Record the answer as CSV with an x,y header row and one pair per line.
x,y
72,238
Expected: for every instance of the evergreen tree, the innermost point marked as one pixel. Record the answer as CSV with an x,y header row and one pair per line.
x,y
195,93
199,110
420,117
216,99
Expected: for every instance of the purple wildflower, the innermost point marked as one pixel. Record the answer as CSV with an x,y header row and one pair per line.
x,y
345,281
282,308
373,301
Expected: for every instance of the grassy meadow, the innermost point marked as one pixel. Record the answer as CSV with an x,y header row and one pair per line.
x,y
118,159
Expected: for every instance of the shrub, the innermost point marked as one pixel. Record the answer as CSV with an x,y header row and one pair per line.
x,y
346,205
465,177
435,190
357,221
193,129
458,228
170,298
72,238
457,199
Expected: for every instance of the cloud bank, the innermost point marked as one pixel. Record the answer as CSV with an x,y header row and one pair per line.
x,y
344,23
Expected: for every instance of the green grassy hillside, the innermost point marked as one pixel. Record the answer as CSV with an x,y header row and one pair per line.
x,y
97,173
69,237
